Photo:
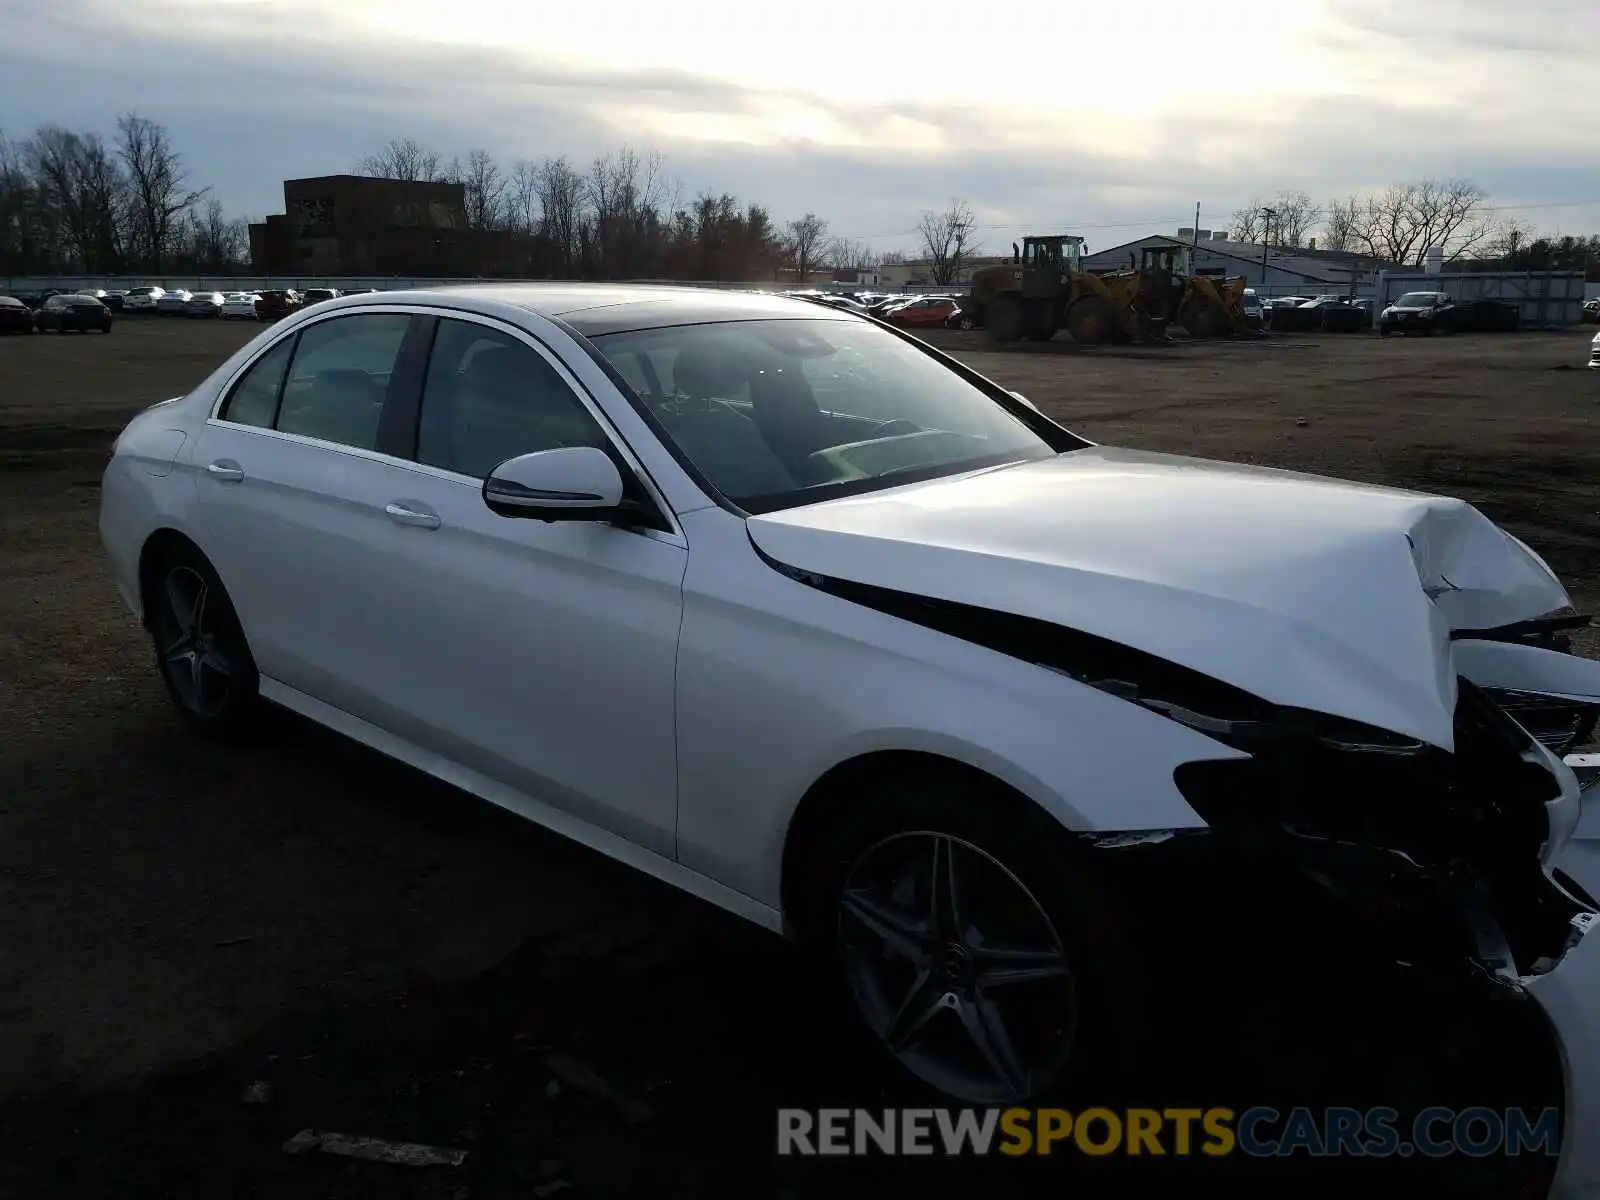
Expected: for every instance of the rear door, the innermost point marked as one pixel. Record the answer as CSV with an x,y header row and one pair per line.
x,y
295,481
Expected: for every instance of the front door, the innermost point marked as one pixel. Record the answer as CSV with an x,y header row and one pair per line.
x,y
543,654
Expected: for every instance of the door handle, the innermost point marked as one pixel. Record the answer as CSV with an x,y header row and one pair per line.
x,y
225,470
403,512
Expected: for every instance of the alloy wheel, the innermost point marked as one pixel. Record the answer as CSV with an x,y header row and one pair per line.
x,y
956,967
188,642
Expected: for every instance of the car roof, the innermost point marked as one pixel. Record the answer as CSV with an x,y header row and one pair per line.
x,y
601,308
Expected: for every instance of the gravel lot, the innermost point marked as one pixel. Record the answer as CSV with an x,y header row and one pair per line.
x,y
392,958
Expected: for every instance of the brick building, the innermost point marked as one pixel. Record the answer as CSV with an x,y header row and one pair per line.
x,y
336,225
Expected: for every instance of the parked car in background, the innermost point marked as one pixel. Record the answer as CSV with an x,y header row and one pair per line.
x,y
963,318
15,316
204,304
925,312
113,300
1332,314
317,295
99,294
142,299
277,302
1252,308
1426,313
174,303
1594,353
883,304
66,313
240,306
1485,316
1591,311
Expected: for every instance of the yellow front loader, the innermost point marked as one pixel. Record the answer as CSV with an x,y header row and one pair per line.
x,y
1044,288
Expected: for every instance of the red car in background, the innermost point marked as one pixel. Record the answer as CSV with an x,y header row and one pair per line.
x,y
276,303
926,312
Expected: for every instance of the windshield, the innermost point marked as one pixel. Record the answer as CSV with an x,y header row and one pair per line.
x,y
1415,300
780,413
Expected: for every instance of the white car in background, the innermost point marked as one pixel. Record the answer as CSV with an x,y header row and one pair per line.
x,y
142,299
1594,353
174,302
205,304
816,623
240,306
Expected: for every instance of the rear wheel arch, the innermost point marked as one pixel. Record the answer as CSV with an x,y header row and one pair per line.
x,y
159,549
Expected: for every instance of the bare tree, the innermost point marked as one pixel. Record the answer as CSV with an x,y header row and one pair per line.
x,y
848,255
1294,216
1400,223
522,196
947,239
892,258
1342,224
485,190
805,240
214,242
1509,239
560,195
1250,222
78,178
157,185
403,159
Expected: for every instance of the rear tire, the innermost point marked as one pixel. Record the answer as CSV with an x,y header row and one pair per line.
x,y
200,647
1005,319
1071,1010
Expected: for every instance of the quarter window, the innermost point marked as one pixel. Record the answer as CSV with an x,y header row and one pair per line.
x,y
254,399
339,378
489,397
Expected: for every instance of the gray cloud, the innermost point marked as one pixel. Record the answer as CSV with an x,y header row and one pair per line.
x,y
254,97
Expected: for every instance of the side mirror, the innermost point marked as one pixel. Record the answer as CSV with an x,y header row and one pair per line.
x,y
573,483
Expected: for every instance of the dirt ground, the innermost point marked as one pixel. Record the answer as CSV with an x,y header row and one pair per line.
x,y
384,956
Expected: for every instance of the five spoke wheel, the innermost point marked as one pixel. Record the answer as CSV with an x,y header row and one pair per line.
x,y
957,968
188,643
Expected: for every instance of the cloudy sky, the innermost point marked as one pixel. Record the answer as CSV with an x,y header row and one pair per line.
x,y
1108,120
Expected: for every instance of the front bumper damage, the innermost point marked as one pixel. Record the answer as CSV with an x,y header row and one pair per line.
x,y
1569,995
1476,870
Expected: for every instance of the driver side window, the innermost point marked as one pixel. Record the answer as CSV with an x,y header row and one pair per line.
x,y
489,397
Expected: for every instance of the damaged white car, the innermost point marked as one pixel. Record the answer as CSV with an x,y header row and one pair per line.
x,y
796,613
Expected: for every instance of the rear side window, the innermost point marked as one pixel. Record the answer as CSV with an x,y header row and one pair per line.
x,y
254,399
339,377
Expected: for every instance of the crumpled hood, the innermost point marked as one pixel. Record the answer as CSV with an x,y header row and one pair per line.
x,y
1308,592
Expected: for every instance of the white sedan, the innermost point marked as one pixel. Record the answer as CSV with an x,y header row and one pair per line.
x,y
240,306
174,302
806,618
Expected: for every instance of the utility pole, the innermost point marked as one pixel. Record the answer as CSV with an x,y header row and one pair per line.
x,y
1266,241
1194,245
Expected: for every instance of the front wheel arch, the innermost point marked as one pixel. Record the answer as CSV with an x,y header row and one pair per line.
x,y
845,785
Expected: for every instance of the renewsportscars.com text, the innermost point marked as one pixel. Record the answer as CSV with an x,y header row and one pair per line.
x,y
1177,1132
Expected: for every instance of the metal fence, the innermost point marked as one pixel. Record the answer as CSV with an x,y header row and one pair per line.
x,y
1544,299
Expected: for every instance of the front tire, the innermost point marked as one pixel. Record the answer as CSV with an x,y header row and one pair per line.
x,y
200,647
971,947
